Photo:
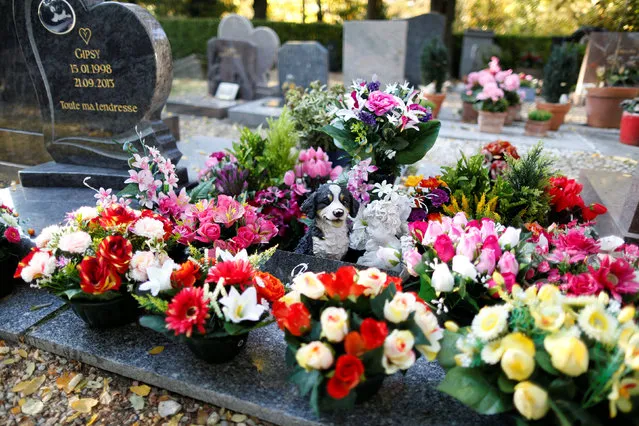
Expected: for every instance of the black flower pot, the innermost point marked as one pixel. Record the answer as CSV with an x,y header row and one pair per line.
x,y
111,313
369,388
7,282
217,350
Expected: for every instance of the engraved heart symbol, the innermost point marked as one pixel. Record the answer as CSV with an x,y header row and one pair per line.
x,y
85,34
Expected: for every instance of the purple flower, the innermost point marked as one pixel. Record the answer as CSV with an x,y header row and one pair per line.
x,y
417,215
372,86
367,118
231,180
427,116
438,197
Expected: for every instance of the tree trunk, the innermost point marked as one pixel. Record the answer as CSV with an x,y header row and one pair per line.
x,y
259,9
374,9
320,12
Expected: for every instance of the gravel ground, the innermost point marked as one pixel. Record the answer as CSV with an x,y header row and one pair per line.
x,y
39,388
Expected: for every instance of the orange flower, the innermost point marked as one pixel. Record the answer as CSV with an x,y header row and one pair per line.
x,y
186,276
116,251
354,344
431,182
97,277
268,286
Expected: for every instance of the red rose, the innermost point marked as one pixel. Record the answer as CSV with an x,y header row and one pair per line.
x,y
116,251
373,332
268,286
354,344
12,235
116,215
444,248
295,317
591,212
186,276
348,372
97,277
394,280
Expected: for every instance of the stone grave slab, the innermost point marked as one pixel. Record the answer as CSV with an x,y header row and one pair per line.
x,y
375,47
95,88
286,265
23,309
209,107
252,114
188,67
232,61
421,29
254,383
302,62
474,45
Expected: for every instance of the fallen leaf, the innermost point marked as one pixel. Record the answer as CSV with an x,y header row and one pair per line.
x,y
84,405
29,386
15,410
137,402
81,385
142,390
4,350
105,396
93,419
72,417
22,353
68,381
175,420
32,406
28,372
156,350
94,384
10,361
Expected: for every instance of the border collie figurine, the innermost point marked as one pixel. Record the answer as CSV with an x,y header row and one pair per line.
x,y
329,207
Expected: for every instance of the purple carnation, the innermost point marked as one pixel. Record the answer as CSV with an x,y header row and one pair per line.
x,y
367,118
438,197
426,117
417,215
372,86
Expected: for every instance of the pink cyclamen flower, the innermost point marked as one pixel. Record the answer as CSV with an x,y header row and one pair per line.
x,y
493,65
501,75
380,103
490,91
485,77
511,83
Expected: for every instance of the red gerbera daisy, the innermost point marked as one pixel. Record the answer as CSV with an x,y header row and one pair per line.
x,y
188,309
238,271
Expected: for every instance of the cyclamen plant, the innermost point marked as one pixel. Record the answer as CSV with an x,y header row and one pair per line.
x,y
390,127
347,330
495,156
313,168
567,204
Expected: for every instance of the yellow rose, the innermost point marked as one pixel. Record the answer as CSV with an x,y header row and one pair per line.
x,y
517,364
291,297
309,285
314,356
531,400
549,317
398,309
632,352
519,341
413,180
568,354
626,314
548,293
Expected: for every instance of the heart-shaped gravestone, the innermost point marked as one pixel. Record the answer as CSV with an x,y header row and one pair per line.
x,y
102,72
236,27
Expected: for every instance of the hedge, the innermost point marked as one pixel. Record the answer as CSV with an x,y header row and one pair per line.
x,y
189,35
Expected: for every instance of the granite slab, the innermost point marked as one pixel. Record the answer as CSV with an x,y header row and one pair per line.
x,y
255,382
24,308
213,108
252,114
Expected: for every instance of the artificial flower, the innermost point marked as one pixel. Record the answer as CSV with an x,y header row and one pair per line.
x,y
597,323
531,400
268,286
442,280
237,271
293,317
139,264
372,280
159,278
314,356
490,322
75,242
568,354
373,333
116,251
149,228
242,307
97,277
398,351
398,309
309,284
517,364
12,234
348,372
188,309
186,275
334,324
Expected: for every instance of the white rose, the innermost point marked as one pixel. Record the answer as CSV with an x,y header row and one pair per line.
x,y
149,228
334,324
428,324
86,213
442,280
46,234
510,237
315,355
398,309
373,279
309,285
398,351
464,267
75,242
140,261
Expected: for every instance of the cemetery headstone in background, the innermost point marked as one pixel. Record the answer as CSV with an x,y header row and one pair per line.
x,y
375,47
474,46
267,42
232,61
102,73
421,29
302,62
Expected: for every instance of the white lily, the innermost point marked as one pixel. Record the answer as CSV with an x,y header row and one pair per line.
x,y
242,307
159,277
225,256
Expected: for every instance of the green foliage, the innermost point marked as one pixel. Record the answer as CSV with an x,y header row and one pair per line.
x,y
475,388
469,176
539,115
309,111
489,106
151,304
631,105
281,140
434,63
249,152
561,72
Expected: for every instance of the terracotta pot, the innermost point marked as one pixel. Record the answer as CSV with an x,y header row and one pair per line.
x,y
629,133
537,128
438,100
558,111
491,122
602,105
514,114
469,113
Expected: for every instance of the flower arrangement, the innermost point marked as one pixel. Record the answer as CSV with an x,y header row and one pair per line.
x,y
212,298
463,264
567,204
429,195
347,330
10,234
495,155
388,126
221,175
545,356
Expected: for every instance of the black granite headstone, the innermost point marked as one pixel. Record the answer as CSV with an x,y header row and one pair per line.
x,y
102,73
421,29
232,61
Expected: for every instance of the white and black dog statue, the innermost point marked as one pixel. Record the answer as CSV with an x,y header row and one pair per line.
x,y
329,208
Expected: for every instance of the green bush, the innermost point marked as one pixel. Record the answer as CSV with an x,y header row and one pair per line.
x,y
435,63
539,115
560,72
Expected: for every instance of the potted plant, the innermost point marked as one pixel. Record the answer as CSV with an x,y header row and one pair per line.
x,y
618,82
212,303
346,331
560,74
538,123
629,133
11,248
492,109
98,258
434,69
391,127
